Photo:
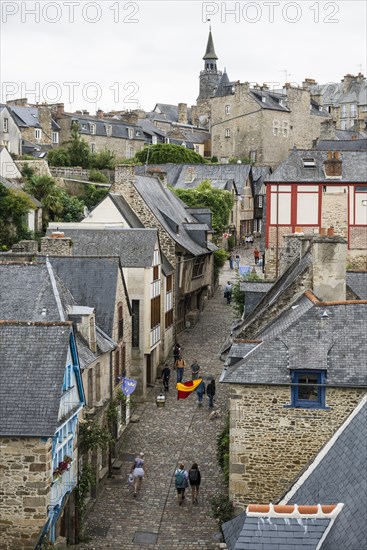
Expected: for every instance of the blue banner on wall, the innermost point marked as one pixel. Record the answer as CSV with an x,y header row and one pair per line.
x,y
128,386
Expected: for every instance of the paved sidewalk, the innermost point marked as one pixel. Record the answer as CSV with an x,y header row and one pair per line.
x,y
180,432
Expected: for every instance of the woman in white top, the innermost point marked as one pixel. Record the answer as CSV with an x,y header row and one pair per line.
x,y
138,471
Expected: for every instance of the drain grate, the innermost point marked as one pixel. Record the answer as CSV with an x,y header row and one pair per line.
x,y
142,537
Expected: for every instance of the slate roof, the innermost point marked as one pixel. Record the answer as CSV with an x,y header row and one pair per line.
x,y
339,346
125,210
169,211
292,169
86,355
167,113
341,145
178,174
272,100
340,475
31,377
25,116
210,52
119,128
134,247
259,533
83,277
357,282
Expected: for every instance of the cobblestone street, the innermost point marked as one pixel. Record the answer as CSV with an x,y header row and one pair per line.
x,y
179,432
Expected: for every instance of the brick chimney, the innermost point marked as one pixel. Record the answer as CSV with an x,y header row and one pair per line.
x,y
44,118
333,165
99,113
182,113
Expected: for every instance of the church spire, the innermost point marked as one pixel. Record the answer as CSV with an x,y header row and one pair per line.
x,y
210,52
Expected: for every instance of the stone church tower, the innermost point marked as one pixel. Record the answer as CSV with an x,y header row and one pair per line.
x,y
210,78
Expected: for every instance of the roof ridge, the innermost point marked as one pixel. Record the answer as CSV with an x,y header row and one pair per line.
x,y
313,298
37,323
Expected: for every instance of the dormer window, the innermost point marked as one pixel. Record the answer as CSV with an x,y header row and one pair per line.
x,y
263,99
309,163
130,133
137,134
108,130
308,389
92,129
5,125
84,127
154,140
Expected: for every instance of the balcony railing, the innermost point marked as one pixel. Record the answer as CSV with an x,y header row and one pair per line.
x,y
63,484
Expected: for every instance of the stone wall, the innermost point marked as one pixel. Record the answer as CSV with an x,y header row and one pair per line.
x,y
25,484
40,167
335,212
271,444
56,246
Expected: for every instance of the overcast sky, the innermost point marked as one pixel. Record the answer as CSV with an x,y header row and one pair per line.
x,y
116,55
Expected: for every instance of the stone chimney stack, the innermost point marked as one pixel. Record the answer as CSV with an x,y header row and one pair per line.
x,y
130,117
124,180
308,82
182,113
99,113
329,268
21,102
44,118
328,129
85,321
194,115
56,245
333,165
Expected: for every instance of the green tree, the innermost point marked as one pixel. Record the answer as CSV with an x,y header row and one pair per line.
x,y
163,153
72,208
97,176
103,160
205,196
44,189
78,149
58,157
93,195
14,206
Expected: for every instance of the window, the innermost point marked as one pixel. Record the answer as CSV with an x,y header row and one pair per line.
x,y
260,201
155,312
154,140
285,129
93,147
228,110
253,155
343,110
169,318
353,110
117,367
108,130
155,273
343,124
227,133
6,125
97,370
38,133
309,163
90,387
135,323
123,361
198,267
84,127
169,283
131,152
275,127
130,133
308,389
120,322
92,129
55,137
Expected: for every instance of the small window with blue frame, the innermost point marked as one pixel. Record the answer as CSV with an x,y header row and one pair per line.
x,y
308,389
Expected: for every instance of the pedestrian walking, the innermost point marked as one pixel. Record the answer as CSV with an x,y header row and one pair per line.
x,y
138,472
176,352
181,482
256,255
238,260
200,390
231,259
228,291
166,373
195,480
180,367
195,370
210,392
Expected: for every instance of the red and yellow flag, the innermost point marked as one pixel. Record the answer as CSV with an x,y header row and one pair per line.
x,y
185,388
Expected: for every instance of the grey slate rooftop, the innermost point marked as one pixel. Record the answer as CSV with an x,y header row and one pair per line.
x,y
260,533
134,247
31,377
293,170
357,282
341,476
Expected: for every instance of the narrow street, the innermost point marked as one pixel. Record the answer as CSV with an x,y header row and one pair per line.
x,y
180,432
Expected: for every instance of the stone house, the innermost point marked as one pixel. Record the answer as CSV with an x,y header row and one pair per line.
x,y
148,310
33,219
254,121
234,178
333,479
9,131
39,131
183,238
38,427
8,168
295,370
122,138
315,189
346,101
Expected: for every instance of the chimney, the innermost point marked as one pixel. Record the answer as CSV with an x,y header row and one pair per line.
x,y
329,268
99,113
333,165
182,113
85,112
194,115
44,119
347,80
85,321
158,173
328,129
124,180
56,245
130,118
265,87
308,82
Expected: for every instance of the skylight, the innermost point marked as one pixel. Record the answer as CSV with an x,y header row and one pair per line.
x,y
309,163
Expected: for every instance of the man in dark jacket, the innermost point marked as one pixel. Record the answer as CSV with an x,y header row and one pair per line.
x,y
210,392
165,375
